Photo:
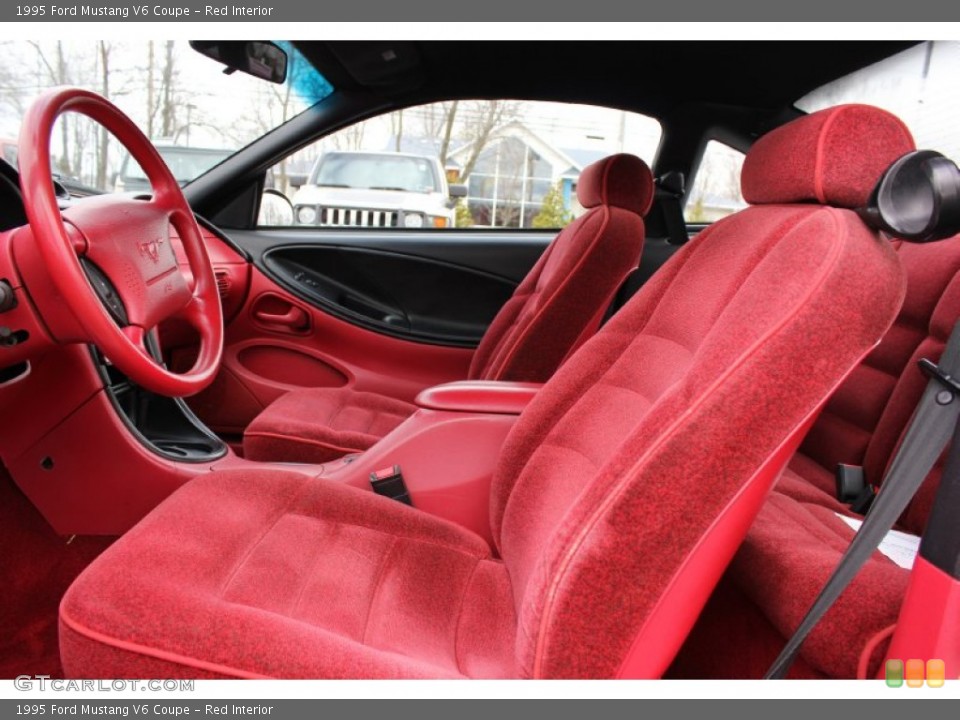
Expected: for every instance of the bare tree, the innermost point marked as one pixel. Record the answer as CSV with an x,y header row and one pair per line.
x,y
151,92
58,74
448,123
168,78
14,89
396,123
350,138
512,168
482,117
103,144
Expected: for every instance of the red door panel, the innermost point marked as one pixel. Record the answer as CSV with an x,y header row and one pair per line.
x,y
276,343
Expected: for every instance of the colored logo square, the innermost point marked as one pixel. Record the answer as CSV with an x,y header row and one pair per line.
x,y
893,672
936,673
915,672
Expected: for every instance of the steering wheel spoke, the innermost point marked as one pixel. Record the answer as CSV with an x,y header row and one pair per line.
x,y
162,203
77,240
137,337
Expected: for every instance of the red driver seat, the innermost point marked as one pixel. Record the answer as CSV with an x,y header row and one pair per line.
x,y
554,310
621,493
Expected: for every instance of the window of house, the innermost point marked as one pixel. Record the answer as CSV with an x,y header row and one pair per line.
x,y
716,186
465,164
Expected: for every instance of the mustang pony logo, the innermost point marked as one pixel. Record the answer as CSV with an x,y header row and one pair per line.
x,y
151,249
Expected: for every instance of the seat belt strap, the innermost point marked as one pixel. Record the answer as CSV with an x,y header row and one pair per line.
x,y
930,428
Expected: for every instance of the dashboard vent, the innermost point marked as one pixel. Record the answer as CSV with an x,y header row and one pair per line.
x,y
223,282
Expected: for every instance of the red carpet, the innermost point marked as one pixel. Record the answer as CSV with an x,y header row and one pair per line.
x,y
36,566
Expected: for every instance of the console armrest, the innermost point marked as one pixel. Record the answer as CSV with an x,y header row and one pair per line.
x,y
479,396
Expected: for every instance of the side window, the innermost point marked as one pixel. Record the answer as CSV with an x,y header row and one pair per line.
x,y
716,186
458,164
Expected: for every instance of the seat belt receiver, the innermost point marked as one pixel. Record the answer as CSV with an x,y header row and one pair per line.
x,y
853,488
389,482
850,482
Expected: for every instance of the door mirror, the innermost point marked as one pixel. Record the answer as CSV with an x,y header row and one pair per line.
x,y
458,191
297,179
275,209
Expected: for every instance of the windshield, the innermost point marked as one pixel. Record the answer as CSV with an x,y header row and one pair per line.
x,y
376,172
184,102
185,163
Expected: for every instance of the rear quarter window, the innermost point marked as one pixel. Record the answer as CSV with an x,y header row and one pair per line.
x,y
920,85
716,186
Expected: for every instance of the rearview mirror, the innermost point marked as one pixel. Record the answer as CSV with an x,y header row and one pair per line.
x,y
296,179
458,191
261,59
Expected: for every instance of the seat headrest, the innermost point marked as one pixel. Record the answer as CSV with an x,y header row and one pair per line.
x,y
833,157
622,180
917,199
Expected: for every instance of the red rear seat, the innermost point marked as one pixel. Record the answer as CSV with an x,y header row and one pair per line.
x,y
862,423
798,539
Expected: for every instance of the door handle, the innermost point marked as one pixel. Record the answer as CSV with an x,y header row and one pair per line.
x,y
295,318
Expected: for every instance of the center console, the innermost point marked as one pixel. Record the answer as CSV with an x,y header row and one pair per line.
x,y
447,450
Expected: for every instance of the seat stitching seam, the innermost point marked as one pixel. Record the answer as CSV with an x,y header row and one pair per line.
x,y
314,561
618,386
299,439
381,573
561,446
246,556
157,653
833,414
463,599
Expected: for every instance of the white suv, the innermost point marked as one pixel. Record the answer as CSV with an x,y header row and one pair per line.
x,y
376,190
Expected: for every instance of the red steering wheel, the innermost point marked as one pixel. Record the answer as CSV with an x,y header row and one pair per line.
x,y
128,241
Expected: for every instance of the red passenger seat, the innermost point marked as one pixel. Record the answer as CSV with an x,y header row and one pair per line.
x,y
620,495
554,310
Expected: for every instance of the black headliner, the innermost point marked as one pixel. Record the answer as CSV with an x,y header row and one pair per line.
x,y
652,77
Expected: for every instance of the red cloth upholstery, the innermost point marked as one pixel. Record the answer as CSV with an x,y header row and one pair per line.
x,y
273,574
585,509
320,424
863,422
667,425
733,640
790,552
552,312
620,180
797,540
834,157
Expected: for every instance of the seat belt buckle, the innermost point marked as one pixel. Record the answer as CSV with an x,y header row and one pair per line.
x,y
850,482
389,482
861,504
